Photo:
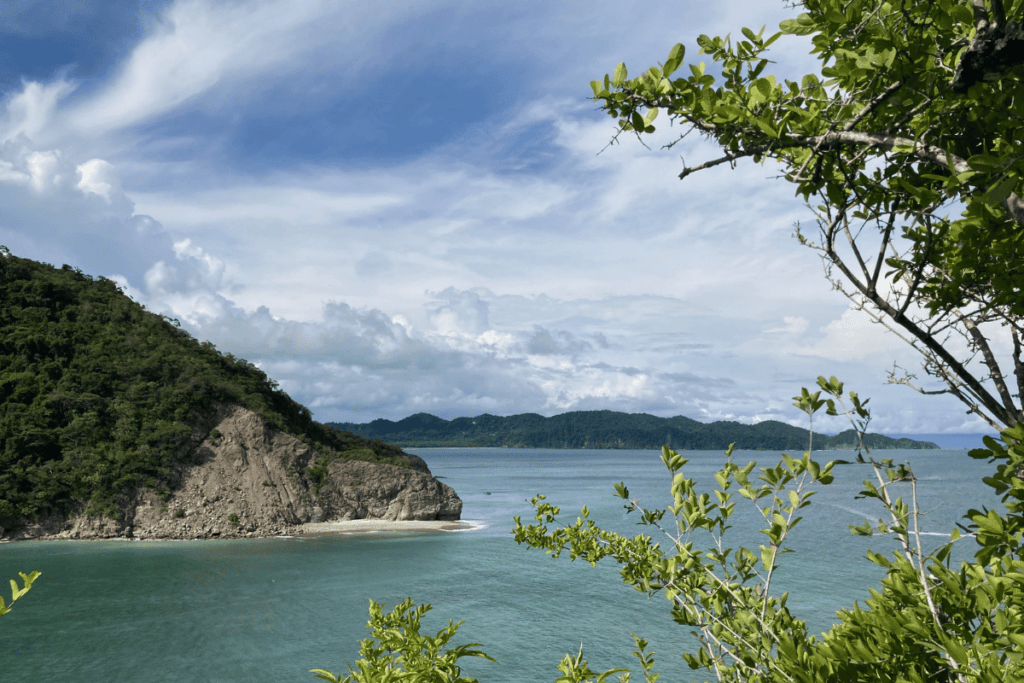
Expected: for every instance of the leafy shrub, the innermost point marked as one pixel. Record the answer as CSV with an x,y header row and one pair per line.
x,y
233,519
418,658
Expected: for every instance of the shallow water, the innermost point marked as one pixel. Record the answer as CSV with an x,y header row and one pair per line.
x,y
271,609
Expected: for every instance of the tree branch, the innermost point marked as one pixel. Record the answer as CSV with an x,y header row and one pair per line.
x,y
982,394
921,150
997,46
886,237
994,371
726,158
873,104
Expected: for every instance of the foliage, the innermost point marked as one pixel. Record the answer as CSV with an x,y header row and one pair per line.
x,y
930,621
17,593
99,397
402,654
604,429
916,116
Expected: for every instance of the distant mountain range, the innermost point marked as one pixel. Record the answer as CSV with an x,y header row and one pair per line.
x,y
606,429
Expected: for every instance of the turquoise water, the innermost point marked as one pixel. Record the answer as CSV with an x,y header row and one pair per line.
x,y
271,609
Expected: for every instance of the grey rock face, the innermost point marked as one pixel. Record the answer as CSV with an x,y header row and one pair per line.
x,y
362,490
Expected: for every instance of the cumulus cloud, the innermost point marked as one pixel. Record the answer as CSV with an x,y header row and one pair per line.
x,y
98,177
460,313
545,343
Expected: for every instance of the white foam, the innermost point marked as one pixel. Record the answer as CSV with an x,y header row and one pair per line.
x,y
474,525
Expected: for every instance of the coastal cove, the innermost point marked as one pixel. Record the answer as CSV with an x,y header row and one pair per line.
x,y
272,608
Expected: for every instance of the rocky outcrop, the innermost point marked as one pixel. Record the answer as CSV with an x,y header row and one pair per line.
x,y
250,480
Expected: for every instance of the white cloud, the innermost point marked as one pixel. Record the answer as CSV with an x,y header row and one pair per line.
x,y
98,177
461,313
510,270
44,170
189,50
29,112
791,324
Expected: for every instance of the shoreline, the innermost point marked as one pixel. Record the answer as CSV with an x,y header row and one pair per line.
x,y
362,526
347,527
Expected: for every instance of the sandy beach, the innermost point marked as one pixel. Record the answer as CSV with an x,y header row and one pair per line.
x,y
356,526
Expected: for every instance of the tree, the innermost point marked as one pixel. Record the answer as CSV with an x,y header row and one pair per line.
x,y
919,115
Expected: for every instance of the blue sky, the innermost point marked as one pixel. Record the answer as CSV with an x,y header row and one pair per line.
x,y
401,207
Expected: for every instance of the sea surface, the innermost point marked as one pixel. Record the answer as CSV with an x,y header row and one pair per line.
x,y
267,610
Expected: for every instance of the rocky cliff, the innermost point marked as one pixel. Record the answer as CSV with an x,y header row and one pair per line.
x,y
246,479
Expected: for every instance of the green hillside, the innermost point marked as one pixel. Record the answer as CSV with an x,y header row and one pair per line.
x,y
605,429
99,396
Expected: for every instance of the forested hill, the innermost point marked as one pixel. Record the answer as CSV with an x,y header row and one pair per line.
x,y
606,429
99,397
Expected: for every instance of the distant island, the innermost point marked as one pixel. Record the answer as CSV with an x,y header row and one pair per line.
x,y
607,429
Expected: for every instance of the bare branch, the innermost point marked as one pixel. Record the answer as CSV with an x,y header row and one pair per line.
x,y
928,341
886,237
856,251
994,372
726,158
872,105
1018,366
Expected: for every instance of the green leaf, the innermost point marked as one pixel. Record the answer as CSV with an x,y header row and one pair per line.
x,y
675,58
766,557
998,193
801,26
619,75
984,162
962,14
956,650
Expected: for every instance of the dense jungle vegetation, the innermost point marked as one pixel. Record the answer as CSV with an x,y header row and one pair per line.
x,y
99,396
606,429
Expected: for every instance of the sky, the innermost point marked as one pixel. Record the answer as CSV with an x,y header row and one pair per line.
x,y
395,208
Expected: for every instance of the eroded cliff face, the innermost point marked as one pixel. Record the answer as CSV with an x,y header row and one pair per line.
x,y
250,481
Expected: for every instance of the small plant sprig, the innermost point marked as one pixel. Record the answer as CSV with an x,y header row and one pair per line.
x,y
18,593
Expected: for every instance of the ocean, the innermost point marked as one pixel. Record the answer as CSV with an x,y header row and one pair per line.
x,y
266,610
